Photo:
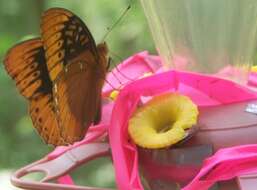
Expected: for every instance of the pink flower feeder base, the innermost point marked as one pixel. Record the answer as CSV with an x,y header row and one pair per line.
x,y
223,152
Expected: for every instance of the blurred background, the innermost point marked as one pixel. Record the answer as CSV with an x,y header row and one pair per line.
x,y
20,20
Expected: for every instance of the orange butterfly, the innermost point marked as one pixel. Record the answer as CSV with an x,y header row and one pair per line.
x,y
61,74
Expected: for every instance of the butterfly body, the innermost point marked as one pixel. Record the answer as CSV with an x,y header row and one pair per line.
x,y
61,74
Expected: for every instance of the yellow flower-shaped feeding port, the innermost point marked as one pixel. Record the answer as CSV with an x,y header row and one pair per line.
x,y
162,121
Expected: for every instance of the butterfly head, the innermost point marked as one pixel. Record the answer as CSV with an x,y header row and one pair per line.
x,y
102,49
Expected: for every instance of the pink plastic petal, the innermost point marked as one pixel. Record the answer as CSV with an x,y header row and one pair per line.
x,y
225,164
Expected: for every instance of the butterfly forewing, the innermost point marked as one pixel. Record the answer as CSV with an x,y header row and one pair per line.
x,y
65,36
26,64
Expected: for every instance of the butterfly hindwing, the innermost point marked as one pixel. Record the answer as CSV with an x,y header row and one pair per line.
x,y
77,98
26,64
44,119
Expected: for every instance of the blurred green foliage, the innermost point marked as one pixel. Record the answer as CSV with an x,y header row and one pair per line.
x,y
19,20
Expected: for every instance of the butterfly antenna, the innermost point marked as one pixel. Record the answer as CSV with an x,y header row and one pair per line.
x,y
110,84
114,74
117,21
117,68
